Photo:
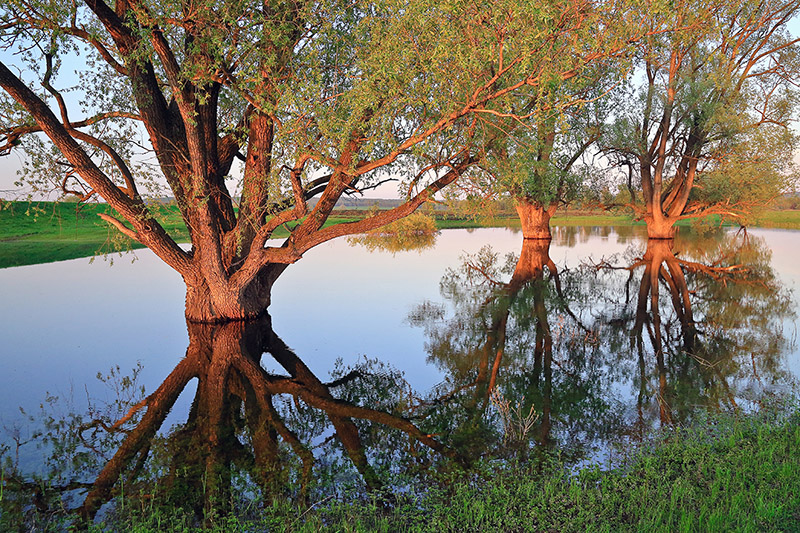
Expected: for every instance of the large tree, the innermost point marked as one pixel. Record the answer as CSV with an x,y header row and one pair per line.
x,y
705,128
539,166
318,98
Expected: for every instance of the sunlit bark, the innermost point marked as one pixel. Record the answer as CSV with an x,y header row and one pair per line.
x,y
535,219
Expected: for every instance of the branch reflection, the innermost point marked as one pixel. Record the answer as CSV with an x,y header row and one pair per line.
x,y
513,345
599,351
702,318
238,426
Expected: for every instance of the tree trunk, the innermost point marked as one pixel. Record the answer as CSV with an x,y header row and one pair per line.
x,y
535,219
660,227
210,300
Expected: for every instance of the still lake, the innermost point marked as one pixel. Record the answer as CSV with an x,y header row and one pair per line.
x,y
604,336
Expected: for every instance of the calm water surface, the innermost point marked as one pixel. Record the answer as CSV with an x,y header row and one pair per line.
x,y
604,336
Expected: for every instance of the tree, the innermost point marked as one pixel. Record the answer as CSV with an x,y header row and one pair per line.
x,y
317,99
414,232
538,163
706,131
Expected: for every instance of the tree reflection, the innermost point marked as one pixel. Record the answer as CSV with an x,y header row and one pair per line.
x,y
517,342
601,352
702,318
604,352
241,426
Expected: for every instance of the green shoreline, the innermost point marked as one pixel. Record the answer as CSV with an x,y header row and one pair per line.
x,y
728,472
43,232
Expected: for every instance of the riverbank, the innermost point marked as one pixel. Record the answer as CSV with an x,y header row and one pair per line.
x,y
43,232
728,473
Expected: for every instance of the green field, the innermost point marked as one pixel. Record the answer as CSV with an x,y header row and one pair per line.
x,y
42,232
788,219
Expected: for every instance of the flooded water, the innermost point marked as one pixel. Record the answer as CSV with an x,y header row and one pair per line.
x,y
481,345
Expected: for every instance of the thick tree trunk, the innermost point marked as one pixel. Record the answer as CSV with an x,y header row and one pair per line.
x,y
217,301
660,227
535,219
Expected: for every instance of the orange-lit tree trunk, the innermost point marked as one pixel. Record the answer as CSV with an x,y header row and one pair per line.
x,y
534,218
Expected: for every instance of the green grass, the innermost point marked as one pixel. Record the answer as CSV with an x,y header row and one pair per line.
x,y
727,474
41,232
787,219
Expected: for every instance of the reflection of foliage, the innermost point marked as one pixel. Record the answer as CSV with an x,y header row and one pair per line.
x,y
393,457
415,232
604,352
78,443
512,332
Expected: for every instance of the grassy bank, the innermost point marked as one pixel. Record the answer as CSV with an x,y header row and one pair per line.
x,y
779,219
727,474
42,232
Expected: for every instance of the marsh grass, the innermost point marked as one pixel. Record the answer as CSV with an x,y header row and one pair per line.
x,y
727,473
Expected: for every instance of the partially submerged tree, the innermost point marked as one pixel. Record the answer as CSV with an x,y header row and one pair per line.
x,y
317,98
539,164
706,129
414,232
537,159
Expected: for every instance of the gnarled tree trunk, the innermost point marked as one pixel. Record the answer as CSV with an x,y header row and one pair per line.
x,y
660,227
213,299
535,218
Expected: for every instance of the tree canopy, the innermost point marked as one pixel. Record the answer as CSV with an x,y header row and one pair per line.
x,y
317,99
705,123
